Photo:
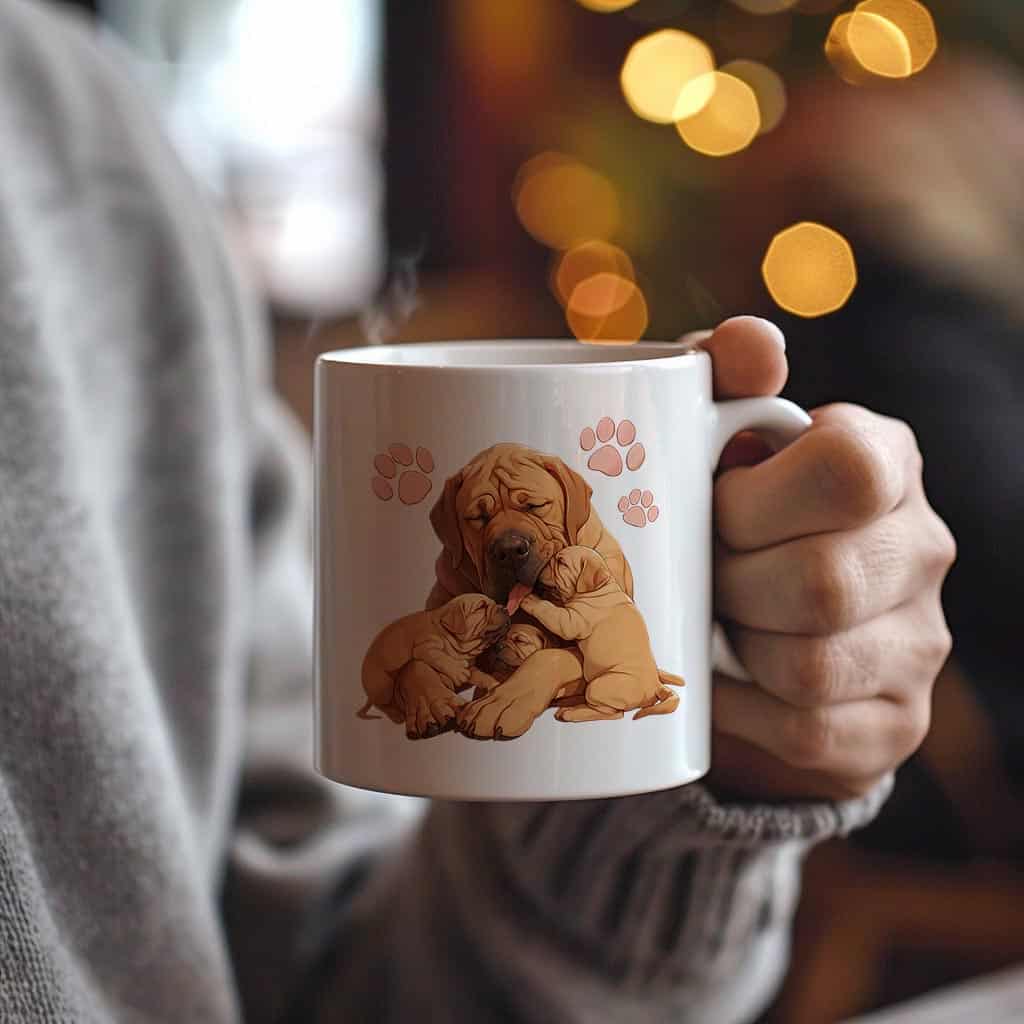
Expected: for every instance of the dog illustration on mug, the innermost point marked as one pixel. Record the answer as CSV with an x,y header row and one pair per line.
x,y
552,620
415,666
582,602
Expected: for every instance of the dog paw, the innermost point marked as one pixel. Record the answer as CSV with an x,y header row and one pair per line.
x,y
503,714
428,716
413,480
638,508
612,437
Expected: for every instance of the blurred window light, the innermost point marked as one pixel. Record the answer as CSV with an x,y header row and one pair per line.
x,y
810,270
657,70
277,108
562,202
768,87
586,260
606,6
914,21
728,122
863,46
607,308
765,6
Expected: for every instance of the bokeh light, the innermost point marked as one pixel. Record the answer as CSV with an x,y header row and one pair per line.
x,y
604,6
562,202
607,308
658,69
915,23
765,6
768,87
862,46
810,270
587,260
728,122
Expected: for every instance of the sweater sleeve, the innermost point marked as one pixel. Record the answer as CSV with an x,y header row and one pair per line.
x,y
662,906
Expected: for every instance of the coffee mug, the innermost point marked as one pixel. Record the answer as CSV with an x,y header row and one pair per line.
x,y
513,546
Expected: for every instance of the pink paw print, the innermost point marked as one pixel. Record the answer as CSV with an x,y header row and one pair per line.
x,y
638,508
608,459
413,481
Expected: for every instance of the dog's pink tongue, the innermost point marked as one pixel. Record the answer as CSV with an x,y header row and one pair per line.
x,y
515,597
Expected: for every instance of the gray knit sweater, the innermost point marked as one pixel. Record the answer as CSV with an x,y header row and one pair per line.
x,y
166,851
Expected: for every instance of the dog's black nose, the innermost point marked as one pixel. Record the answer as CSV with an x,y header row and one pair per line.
x,y
511,549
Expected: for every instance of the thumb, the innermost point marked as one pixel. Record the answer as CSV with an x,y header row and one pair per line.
x,y
748,357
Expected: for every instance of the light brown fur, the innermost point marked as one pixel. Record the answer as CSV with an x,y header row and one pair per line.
x,y
415,666
516,488
536,494
591,608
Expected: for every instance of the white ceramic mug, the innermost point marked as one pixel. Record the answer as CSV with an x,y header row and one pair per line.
x,y
513,554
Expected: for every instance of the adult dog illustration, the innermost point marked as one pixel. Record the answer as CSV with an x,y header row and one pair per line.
x,y
504,515
588,606
415,666
501,519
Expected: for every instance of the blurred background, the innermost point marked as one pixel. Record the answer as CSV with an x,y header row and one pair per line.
x,y
614,170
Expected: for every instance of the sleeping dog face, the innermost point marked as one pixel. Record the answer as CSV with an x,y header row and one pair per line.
x,y
473,622
504,516
572,571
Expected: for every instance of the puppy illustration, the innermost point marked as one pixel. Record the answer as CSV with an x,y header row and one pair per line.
x,y
588,606
415,666
522,640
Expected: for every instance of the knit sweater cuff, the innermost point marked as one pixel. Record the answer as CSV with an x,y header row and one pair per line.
x,y
670,887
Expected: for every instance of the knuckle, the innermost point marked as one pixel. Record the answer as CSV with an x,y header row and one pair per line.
x,y
914,726
831,589
903,439
940,644
906,440
945,549
816,673
809,738
945,644
857,472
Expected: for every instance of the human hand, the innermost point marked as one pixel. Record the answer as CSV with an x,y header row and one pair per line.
x,y
828,569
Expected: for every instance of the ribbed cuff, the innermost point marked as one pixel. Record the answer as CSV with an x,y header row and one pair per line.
x,y
672,889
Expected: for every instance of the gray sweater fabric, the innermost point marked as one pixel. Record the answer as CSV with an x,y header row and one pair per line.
x,y
166,851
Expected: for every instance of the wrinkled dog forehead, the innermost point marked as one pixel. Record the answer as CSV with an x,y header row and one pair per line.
x,y
506,479
529,474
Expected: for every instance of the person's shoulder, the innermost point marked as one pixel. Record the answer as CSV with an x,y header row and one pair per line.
x,y
39,31
57,69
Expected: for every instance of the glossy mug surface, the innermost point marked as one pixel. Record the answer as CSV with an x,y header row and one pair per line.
x,y
513,554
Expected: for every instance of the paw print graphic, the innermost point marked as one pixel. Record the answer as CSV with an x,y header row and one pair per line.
x,y
608,458
638,508
413,481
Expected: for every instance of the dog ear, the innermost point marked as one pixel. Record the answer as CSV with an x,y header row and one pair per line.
x,y
594,576
445,520
576,492
453,618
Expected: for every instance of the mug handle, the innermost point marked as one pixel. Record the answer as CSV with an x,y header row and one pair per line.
x,y
780,422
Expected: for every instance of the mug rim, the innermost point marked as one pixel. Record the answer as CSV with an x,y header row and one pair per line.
x,y
392,356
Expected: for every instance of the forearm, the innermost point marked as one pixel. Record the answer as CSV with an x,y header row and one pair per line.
x,y
642,908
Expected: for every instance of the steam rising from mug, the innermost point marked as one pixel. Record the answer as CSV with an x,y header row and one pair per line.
x,y
382,321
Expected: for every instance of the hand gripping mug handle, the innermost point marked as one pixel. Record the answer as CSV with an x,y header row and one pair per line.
x,y
779,421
